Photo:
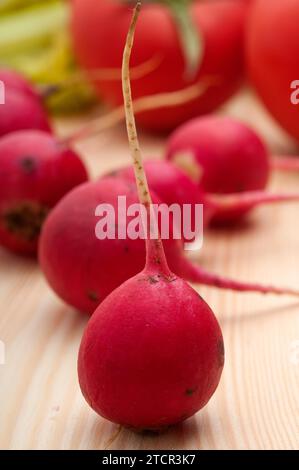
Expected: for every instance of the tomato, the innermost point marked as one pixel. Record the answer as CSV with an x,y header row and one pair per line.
x,y
99,29
272,50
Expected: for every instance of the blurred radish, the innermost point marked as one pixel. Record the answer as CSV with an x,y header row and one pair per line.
x,y
22,111
35,172
225,157
272,51
22,108
193,40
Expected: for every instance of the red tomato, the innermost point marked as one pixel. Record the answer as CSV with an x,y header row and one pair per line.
x,y
273,58
99,30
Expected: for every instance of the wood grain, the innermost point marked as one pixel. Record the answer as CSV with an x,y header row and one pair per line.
x,y
257,403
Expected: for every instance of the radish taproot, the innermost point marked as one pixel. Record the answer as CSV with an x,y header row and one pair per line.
x,y
174,186
225,157
102,265
35,172
217,37
152,354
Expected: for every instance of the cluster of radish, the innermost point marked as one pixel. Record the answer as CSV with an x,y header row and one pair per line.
x,y
168,363
225,32
36,169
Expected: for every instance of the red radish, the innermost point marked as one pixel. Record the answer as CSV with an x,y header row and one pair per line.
x,y
35,172
224,156
152,354
174,186
218,26
22,108
22,111
272,50
102,265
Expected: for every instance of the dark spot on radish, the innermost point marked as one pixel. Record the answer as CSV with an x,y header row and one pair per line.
x,y
154,279
190,391
28,164
25,219
93,296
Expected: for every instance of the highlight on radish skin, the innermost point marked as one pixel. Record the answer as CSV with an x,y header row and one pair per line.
x,y
35,172
152,353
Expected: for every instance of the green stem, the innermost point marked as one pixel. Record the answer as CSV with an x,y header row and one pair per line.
x,y
190,38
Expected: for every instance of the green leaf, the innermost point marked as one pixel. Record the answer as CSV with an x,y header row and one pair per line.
x,y
192,42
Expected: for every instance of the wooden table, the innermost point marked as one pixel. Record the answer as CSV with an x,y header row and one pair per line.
x,y
257,403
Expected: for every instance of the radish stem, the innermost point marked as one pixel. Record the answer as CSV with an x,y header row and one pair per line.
x,y
155,256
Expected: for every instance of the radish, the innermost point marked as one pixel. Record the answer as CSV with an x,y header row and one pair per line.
x,y
225,157
22,108
205,37
152,354
272,50
22,111
102,265
35,172
174,186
